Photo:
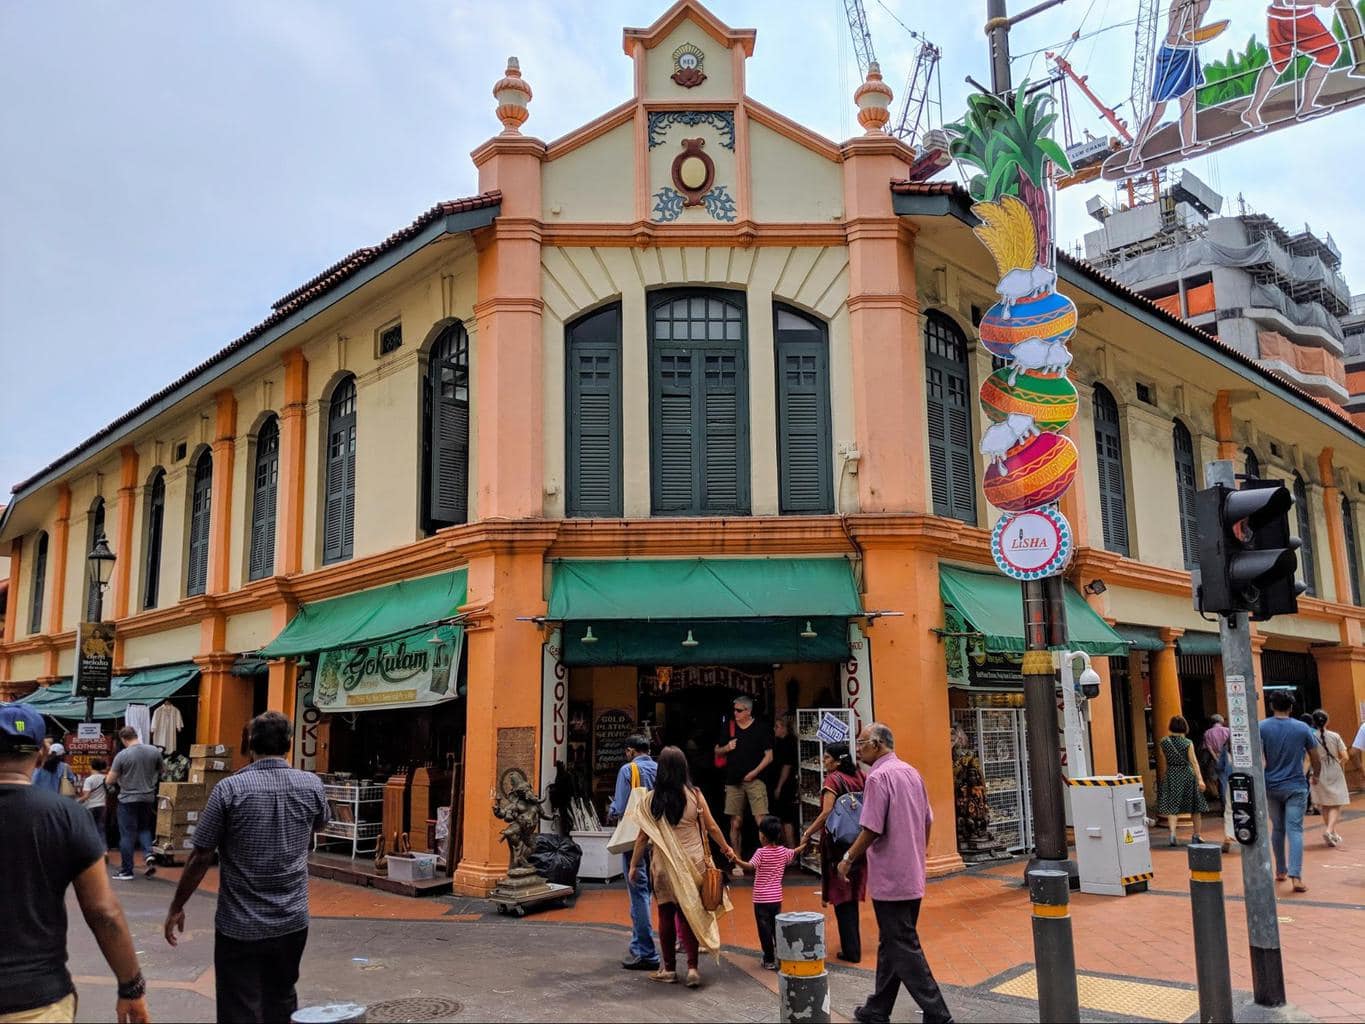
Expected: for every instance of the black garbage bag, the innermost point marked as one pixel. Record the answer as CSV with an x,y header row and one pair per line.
x,y
557,858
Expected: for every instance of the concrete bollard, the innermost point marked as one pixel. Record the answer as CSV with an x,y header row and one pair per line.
x,y
329,1013
1054,954
1210,932
802,982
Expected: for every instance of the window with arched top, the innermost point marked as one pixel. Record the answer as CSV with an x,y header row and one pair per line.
x,y
446,441
1307,568
952,458
338,518
201,497
1252,465
1109,463
1186,485
1348,524
264,498
805,461
151,548
699,403
35,613
592,413
93,597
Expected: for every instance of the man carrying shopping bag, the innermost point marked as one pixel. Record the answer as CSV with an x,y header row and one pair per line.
x,y
635,776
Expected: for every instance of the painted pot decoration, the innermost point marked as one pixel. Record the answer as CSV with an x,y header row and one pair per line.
x,y
1049,401
1050,317
1036,473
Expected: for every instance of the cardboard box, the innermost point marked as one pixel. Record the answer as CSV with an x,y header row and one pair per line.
x,y
207,779
210,750
173,844
211,764
176,832
169,818
182,795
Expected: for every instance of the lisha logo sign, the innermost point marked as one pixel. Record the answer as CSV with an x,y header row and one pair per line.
x,y
401,672
1032,544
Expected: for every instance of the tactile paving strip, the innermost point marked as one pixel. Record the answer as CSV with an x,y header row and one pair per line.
x,y
1137,999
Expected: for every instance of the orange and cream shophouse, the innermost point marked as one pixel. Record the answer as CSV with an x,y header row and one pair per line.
x,y
676,407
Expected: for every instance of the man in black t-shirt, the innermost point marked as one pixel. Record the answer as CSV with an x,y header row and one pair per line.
x,y
50,842
747,747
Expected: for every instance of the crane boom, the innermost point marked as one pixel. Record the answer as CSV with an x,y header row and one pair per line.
x,y
917,96
1144,42
862,35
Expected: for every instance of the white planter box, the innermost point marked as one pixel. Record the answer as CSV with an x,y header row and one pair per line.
x,y
597,863
412,867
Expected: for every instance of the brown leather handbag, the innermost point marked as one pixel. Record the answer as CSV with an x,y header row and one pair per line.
x,y
712,890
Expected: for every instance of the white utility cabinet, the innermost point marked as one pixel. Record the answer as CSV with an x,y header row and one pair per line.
x,y
1113,850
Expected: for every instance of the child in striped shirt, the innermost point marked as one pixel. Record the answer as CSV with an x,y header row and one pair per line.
x,y
769,861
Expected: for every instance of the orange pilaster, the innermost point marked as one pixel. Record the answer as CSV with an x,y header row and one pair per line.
x,y
1104,754
224,703
1336,527
1341,676
1257,646
220,507
282,691
888,352
16,559
1222,426
57,553
504,698
127,504
293,436
1165,684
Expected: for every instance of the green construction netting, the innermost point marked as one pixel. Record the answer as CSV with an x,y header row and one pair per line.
x,y
370,615
993,607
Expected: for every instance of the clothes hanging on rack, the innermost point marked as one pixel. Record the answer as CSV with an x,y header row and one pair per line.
x,y
138,718
166,726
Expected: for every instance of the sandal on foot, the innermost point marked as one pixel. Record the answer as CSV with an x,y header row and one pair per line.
x,y
1280,876
693,978
1298,885
664,977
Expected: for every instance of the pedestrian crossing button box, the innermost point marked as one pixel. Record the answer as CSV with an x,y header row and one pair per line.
x,y
1113,850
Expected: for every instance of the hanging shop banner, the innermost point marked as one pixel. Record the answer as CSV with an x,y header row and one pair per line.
x,y
1031,545
971,665
80,750
94,659
408,671
310,726
674,679
554,712
855,678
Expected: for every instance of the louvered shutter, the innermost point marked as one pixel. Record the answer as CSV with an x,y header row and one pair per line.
x,y
1352,551
593,414
261,560
952,456
675,462
938,440
1109,463
721,485
1307,567
448,379
1186,486
961,455
196,579
156,510
338,520
804,461
35,617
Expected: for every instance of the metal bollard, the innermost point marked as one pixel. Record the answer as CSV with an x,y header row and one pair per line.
x,y
329,1013
802,982
1054,954
1210,932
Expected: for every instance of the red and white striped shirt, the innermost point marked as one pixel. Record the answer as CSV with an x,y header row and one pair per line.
x,y
769,862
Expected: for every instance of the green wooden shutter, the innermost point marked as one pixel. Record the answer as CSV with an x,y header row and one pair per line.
x,y
952,456
35,615
261,559
1307,566
448,444
724,490
338,529
197,574
1186,485
1352,551
156,514
593,415
1109,462
804,457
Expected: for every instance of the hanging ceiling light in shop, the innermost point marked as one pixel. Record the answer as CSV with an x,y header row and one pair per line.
x,y
689,642
808,633
588,638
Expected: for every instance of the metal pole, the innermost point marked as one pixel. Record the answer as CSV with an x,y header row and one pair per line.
x,y
99,615
998,32
1210,932
1054,954
802,981
1046,798
1258,879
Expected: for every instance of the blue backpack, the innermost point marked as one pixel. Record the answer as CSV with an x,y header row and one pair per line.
x,y
843,823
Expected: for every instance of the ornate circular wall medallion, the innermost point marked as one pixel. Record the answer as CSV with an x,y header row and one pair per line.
x,y
1031,545
693,172
687,62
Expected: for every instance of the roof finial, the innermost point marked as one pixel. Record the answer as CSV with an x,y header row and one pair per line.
x,y
512,94
873,100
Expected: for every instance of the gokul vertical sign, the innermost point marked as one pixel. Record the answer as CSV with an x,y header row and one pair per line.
x,y
1030,400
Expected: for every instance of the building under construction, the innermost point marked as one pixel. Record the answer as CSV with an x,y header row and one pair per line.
x,y
1276,296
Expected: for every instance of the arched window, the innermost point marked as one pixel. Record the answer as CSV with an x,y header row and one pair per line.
x,y
592,413
265,490
1252,471
197,574
1109,461
805,462
1352,550
699,398
447,434
156,516
1307,570
93,597
952,459
35,615
1186,484
338,520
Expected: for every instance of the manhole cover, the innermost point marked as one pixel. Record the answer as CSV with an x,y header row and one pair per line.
x,y
412,1010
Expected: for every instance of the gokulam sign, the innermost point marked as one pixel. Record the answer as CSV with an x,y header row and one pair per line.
x,y
1031,545
94,659
400,673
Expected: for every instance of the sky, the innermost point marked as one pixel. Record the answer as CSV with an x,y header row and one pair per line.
x,y
171,169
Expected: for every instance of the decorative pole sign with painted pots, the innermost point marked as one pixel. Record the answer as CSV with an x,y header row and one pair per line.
x,y
1030,400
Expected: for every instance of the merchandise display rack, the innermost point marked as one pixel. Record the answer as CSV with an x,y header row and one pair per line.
x,y
998,735
350,800
810,759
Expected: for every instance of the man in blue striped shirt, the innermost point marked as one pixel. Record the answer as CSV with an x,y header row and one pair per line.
x,y
638,770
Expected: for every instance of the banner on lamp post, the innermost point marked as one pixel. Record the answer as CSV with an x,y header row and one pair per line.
x,y
94,659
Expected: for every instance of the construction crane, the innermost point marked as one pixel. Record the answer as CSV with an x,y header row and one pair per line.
x,y
862,35
1140,99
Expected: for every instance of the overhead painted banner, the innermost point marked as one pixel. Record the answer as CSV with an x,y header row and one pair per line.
x,y
407,671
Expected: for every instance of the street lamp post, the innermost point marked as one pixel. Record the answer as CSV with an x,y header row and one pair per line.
x,y
101,563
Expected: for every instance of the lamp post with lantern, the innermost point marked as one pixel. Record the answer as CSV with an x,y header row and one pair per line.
x,y
101,566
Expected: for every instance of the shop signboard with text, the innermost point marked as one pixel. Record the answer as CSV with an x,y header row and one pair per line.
x,y
94,659
402,672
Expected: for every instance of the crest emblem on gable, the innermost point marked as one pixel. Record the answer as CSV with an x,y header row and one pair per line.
x,y
687,66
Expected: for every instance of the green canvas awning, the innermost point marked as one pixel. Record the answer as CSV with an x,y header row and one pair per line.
x,y
57,693
370,615
1199,643
1142,638
144,686
993,607
703,588
714,642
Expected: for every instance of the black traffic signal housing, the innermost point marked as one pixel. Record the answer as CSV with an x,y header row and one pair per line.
x,y
1247,559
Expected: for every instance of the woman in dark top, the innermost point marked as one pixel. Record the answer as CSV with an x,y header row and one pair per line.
x,y
841,776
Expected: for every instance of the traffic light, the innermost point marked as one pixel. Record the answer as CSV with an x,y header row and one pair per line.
x,y
1246,555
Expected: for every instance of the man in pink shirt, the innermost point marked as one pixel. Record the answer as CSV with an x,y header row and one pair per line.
x,y
895,820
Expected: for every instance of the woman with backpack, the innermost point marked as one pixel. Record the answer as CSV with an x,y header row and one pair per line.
x,y
836,832
55,774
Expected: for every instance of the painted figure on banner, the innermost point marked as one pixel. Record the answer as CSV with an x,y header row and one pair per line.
x,y
1176,75
1294,29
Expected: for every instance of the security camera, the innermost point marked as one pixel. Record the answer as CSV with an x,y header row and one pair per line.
x,y
1090,684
